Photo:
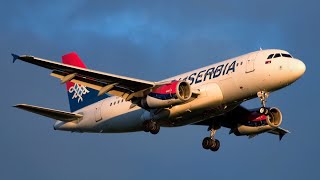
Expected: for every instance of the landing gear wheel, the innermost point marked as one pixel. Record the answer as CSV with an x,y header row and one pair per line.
x,y
150,126
146,126
210,142
264,110
207,143
155,129
215,146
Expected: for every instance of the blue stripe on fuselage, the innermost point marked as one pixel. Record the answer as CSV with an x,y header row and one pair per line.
x,y
162,96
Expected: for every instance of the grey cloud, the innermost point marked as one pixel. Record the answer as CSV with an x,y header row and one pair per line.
x,y
153,40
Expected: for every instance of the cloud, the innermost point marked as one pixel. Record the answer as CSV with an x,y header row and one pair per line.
x,y
150,40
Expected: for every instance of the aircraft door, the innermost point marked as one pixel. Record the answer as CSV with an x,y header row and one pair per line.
x,y
250,62
97,112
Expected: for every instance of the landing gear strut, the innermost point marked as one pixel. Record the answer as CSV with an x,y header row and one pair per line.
x,y
263,95
210,142
151,126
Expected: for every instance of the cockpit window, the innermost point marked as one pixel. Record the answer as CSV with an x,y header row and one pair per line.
x,y
277,55
270,56
286,55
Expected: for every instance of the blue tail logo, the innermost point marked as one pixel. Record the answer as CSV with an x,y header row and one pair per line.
x,y
78,90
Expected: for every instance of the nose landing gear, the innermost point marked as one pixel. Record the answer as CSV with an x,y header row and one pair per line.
x,y
263,95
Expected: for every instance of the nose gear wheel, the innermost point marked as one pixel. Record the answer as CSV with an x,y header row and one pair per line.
x,y
263,96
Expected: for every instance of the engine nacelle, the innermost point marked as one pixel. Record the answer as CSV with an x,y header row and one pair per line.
x,y
176,92
256,123
274,118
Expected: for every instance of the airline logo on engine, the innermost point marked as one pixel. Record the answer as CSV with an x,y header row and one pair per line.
x,y
169,90
214,72
78,91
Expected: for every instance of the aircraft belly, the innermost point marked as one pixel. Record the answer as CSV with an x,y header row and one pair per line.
x,y
127,122
87,122
230,90
112,118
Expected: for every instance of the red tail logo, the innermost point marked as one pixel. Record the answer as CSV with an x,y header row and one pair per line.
x,y
74,60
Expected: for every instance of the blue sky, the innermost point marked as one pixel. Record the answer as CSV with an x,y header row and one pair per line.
x,y
154,40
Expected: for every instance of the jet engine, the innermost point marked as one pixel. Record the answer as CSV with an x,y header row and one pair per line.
x,y
176,92
256,123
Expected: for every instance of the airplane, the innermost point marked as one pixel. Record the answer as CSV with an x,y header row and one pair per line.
x,y
209,96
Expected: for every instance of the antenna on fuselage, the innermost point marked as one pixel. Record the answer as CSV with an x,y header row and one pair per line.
x,y
260,49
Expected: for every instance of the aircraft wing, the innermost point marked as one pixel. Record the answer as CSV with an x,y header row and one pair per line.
x,y
51,113
232,116
122,86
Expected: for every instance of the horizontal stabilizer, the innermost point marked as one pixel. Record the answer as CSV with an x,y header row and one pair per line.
x,y
50,113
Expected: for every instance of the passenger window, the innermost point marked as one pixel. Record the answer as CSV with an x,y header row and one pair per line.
x,y
110,104
286,55
270,56
277,55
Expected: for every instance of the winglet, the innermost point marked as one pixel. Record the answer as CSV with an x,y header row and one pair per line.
x,y
15,57
282,133
281,136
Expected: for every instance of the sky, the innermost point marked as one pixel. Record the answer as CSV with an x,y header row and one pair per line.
x,y
153,40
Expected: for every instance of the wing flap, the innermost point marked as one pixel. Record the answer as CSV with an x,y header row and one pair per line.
x,y
50,113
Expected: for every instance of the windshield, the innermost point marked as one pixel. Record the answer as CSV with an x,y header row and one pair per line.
x,y
277,55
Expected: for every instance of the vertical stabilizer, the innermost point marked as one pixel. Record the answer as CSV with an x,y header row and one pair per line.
x,y
79,95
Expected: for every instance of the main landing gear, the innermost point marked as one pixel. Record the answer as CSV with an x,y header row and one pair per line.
x,y
263,95
151,126
210,142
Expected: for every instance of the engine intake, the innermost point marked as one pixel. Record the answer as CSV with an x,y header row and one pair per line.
x,y
176,92
274,118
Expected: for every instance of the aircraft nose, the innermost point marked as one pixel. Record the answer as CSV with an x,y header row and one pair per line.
x,y
298,68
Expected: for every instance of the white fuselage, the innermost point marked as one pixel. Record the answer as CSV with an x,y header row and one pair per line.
x,y
221,87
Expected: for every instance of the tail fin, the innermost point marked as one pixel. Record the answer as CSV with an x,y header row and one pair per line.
x,y
79,95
